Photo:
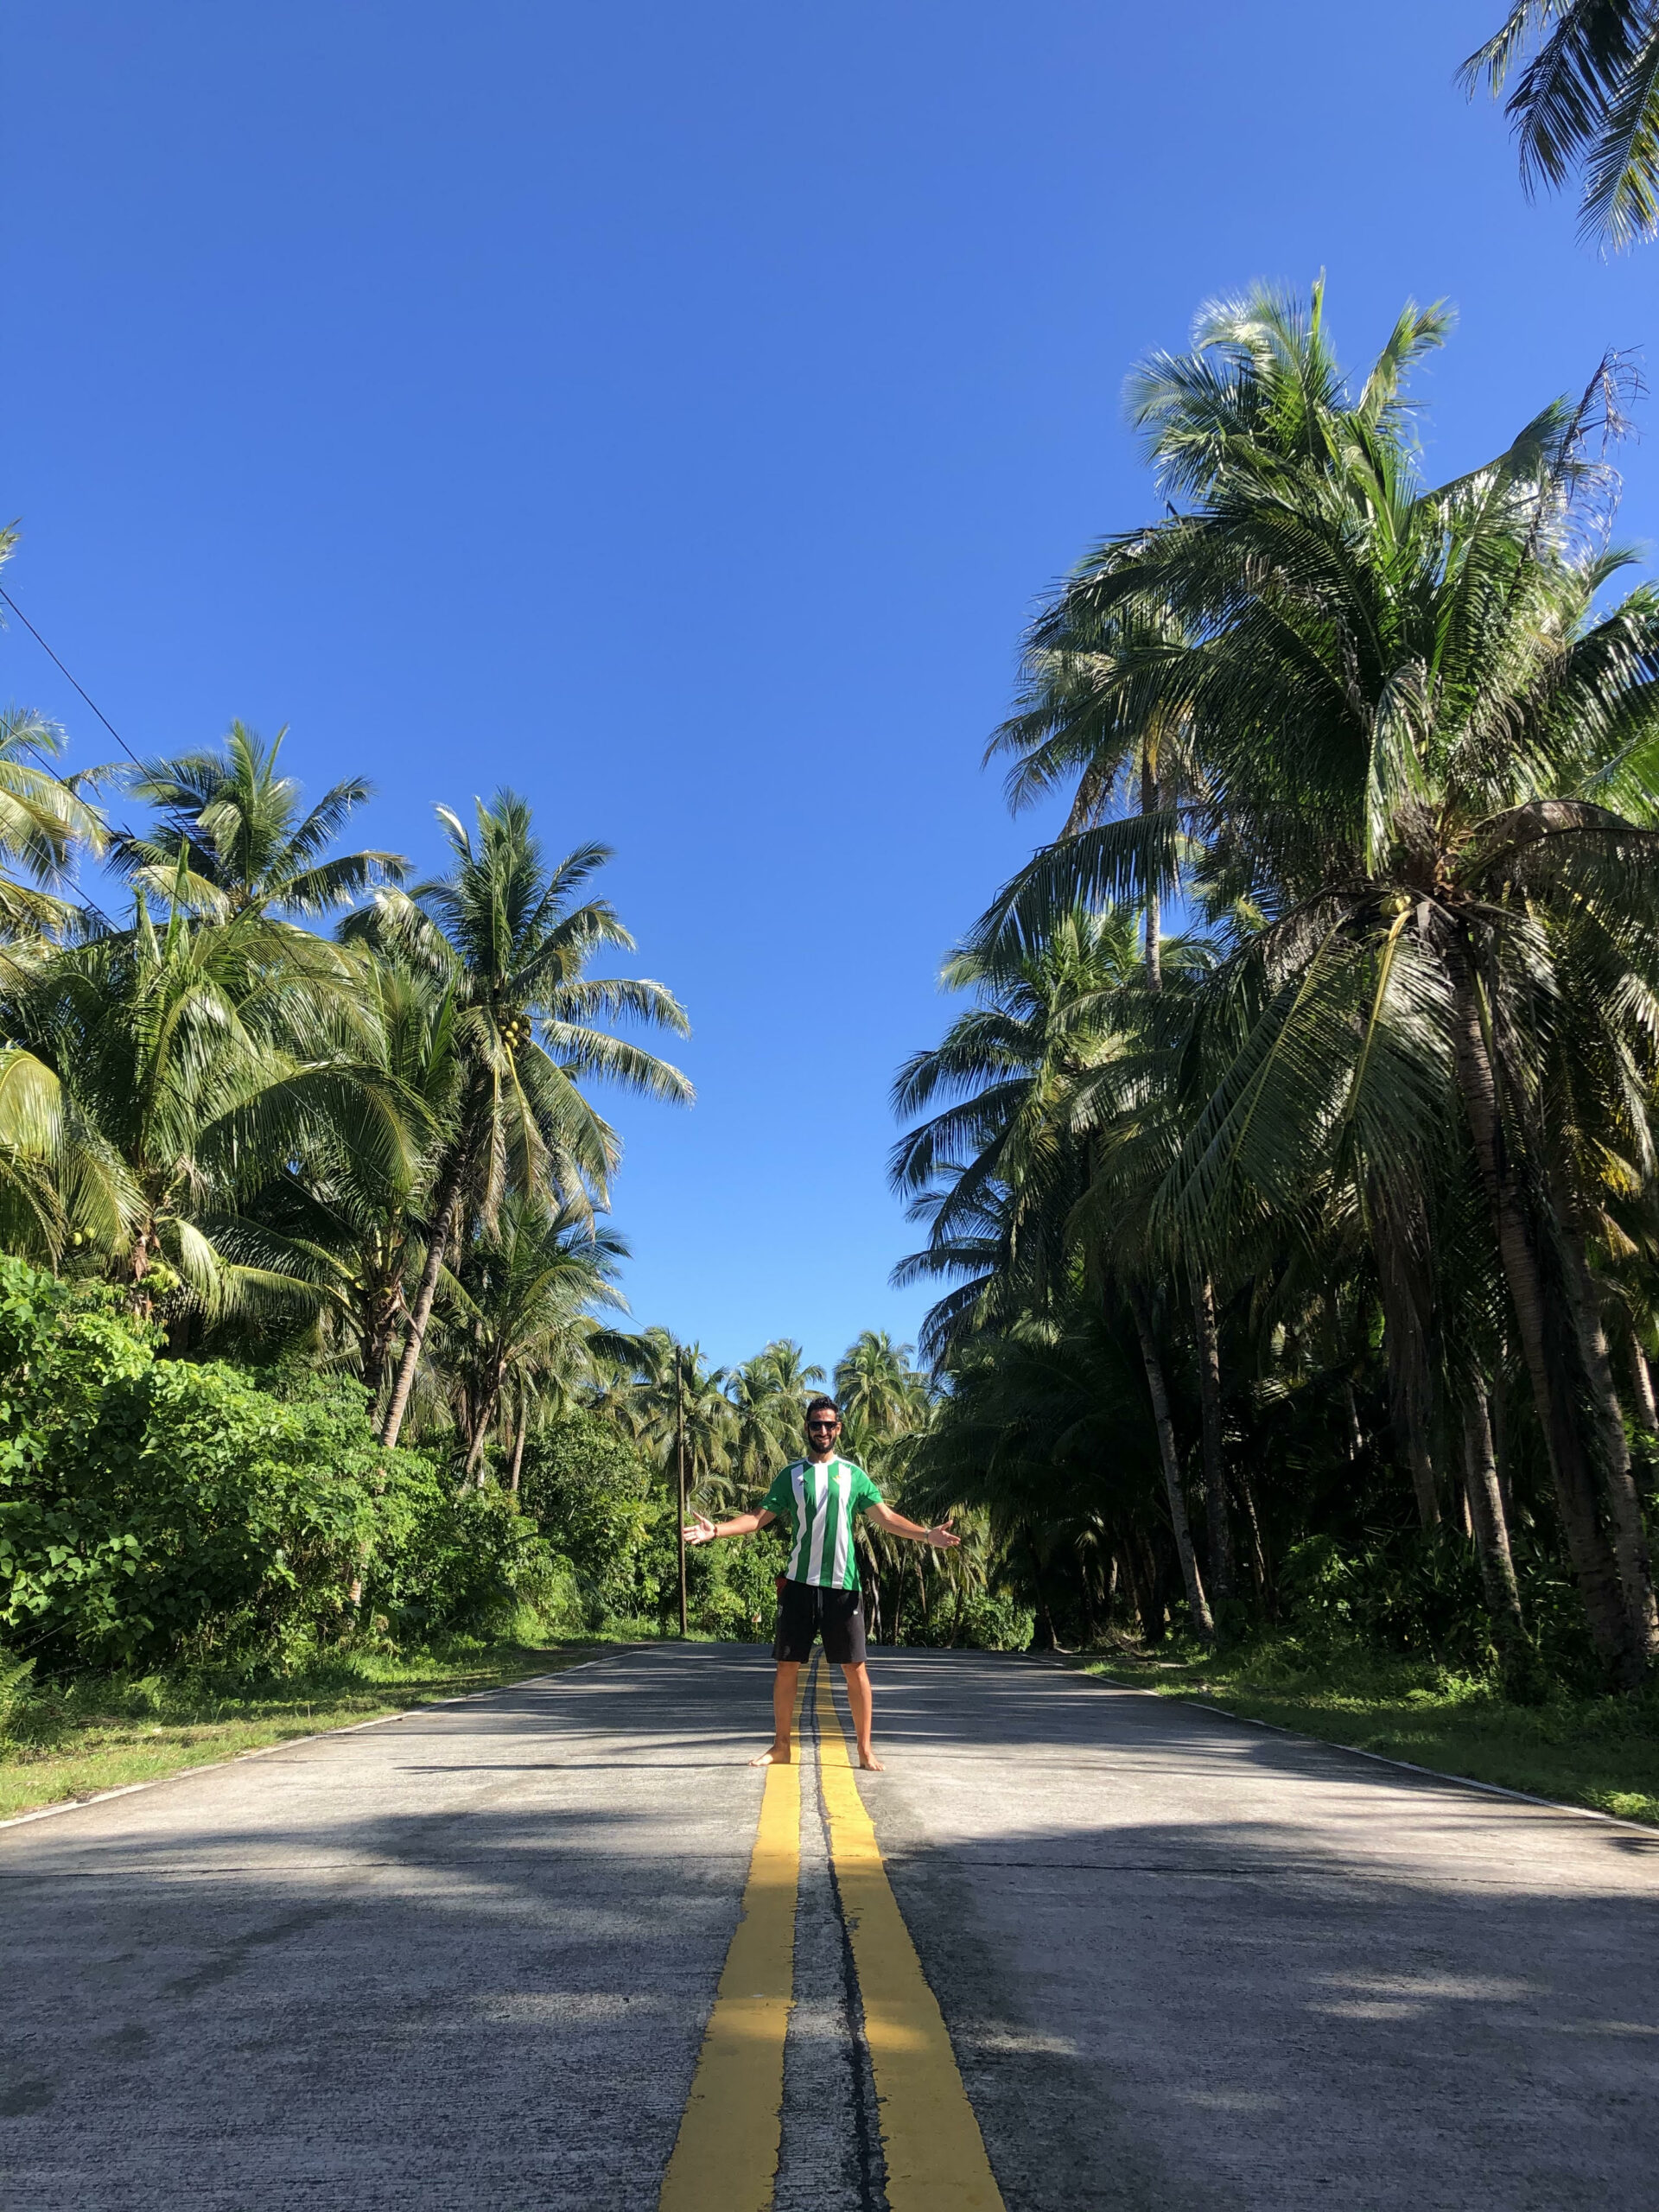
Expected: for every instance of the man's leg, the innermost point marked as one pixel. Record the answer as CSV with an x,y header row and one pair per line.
x,y
863,1711
783,1712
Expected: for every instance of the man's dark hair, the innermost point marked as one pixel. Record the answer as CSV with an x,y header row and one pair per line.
x,y
822,1406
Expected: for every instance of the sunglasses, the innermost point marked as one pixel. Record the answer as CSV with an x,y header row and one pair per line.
x,y
824,1424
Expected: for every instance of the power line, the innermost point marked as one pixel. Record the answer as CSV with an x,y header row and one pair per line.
x,y
64,672
90,905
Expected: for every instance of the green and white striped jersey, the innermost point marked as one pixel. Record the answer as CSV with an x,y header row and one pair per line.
x,y
819,1505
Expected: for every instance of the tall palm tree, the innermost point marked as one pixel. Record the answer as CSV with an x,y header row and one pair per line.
x,y
997,1170
768,1395
1587,99
1432,749
881,1396
1095,716
1109,666
192,1060
350,1220
521,1318
46,1194
504,937
231,838
668,1396
44,819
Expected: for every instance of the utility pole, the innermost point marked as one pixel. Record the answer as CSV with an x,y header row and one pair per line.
x,y
679,1471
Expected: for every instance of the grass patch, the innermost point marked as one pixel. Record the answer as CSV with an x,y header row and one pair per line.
x,y
1598,1751
67,1741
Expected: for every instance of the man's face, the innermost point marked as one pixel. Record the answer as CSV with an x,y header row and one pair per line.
x,y
822,1430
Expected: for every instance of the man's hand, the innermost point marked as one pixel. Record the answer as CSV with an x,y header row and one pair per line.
x,y
939,1539
699,1531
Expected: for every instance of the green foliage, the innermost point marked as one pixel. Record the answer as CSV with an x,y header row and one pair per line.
x,y
731,1589
1587,99
986,1621
1348,1211
153,1510
590,1491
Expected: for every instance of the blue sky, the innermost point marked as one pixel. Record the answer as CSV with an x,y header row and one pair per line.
x,y
675,413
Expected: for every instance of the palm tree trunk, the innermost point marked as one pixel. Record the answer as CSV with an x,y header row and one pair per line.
x,y
961,1606
518,1450
1215,1476
448,1195
1196,1605
1629,1530
1641,1378
1258,1549
475,1452
1491,1534
1141,1597
1155,912
1594,1566
1044,1618
1404,1339
489,1406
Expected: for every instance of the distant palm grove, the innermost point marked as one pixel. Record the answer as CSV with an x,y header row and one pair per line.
x,y
1287,1178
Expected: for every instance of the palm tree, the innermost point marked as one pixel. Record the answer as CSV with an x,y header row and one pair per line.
x,y
191,1060
44,819
350,1220
996,1171
521,1321
232,839
1044,1436
504,940
768,1395
1434,755
670,1400
1095,714
1587,99
881,1394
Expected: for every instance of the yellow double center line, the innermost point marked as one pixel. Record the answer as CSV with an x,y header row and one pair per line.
x,y
726,2158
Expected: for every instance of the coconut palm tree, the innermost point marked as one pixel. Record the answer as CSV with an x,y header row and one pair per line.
x,y
520,1318
351,1221
996,1170
506,939
191,1059
230,838
666,1396
1587,99
1432,751
881,1394
768,1395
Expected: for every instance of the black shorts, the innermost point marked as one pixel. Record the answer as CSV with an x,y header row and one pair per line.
x,y
805,1611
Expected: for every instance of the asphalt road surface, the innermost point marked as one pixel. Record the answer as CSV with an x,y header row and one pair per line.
x,y
467,1960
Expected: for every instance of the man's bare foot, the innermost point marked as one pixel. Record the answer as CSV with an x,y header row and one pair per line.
x,y
774,1758
870,1764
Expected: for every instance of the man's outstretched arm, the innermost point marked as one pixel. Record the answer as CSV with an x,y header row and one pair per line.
x,y
942,1539
702,1531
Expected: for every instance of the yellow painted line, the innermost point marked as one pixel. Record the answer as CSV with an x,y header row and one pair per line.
x,y
726,2156
935,2154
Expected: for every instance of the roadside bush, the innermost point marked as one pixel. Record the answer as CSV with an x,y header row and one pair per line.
x,y
156,1511
592,1495
732,1588
469,1565
1417,1594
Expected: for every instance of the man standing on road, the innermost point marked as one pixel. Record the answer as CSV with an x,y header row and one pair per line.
x,y
819,1499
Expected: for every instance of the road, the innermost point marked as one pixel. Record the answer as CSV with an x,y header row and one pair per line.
x,y
467,1960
